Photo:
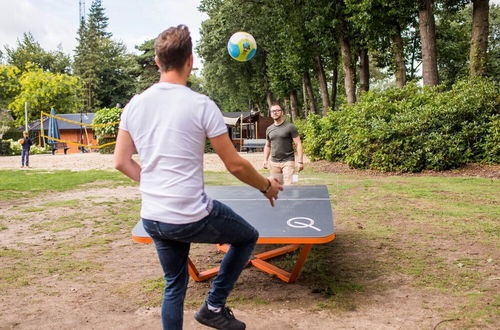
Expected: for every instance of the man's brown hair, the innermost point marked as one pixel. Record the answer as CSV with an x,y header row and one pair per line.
x,y
278,104
173,47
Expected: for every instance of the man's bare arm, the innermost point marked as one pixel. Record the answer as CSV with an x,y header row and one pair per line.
x,y
267,151
123,161
242,169
300,153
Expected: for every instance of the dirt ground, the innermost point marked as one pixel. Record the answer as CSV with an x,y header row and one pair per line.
x,y
112,296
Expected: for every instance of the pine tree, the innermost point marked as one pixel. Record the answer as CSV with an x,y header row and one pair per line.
x,y
104,66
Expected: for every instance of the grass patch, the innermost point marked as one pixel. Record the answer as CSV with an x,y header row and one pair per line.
x,y
71,203
25,267
18,184
61,224
34,210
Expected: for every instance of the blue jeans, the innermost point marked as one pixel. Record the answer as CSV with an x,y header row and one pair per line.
x,y
25,157
172,242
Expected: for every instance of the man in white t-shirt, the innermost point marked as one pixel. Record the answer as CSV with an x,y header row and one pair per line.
x,y
167,125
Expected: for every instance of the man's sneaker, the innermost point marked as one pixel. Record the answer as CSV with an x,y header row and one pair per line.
x,y
224,319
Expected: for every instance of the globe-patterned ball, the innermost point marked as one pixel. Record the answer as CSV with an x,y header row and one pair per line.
x,y
242,46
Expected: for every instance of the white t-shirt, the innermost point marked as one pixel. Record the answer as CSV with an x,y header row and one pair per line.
x,y
169,124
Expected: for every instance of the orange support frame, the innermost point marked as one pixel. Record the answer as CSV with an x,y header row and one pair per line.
x,y
258,260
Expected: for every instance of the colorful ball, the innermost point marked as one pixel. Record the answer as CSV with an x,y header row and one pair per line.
x,y
21,141
242,46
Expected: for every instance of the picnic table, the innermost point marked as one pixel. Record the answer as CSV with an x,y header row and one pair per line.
x,y
302,217
58,145
253,145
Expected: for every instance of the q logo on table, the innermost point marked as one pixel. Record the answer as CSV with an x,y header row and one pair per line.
x,y
302,222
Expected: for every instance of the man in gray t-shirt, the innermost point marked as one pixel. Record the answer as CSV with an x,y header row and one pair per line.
x,y
280,138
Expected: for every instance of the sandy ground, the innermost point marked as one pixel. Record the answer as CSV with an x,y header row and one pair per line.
x,y
88,161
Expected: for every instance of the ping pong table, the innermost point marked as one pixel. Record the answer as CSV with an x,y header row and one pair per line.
x,y
302,216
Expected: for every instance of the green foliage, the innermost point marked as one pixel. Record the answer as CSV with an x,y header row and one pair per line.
x,y
493,65
5,147
106,69
410,129
148,70
107,134
6,122
453,42
491,145
29,53
43,91
107,116
11,147
9,84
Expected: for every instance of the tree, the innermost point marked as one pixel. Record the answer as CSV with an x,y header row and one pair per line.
x,y
479,37
29,51
234,86
9,84
453,43
107,71
6,123
428,42
493,68
148,74
43,91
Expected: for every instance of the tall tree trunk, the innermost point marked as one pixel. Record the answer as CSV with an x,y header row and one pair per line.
x,y
309,92
335,77
294,108
325,100
305,106
350,88
428,38
479,37
269,101
399,58
364,70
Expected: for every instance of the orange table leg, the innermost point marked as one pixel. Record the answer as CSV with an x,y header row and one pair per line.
x,y
281,273
258,262
200,277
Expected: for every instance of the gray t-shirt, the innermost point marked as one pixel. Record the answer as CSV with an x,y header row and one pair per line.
x,y
281,139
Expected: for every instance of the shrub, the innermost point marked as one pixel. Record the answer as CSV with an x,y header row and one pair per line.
x,y
11,147
491,144
106,134
410,129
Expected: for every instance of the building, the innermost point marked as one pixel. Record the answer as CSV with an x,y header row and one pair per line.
x,y
69,132
246,125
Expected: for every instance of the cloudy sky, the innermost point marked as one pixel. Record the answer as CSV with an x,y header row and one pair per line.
x,y
55,22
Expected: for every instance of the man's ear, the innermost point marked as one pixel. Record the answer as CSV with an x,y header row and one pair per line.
x,y
190,62
157,61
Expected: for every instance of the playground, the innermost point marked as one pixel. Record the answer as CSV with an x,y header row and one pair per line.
x,y
412,251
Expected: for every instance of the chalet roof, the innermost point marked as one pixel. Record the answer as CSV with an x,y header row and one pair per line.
x,y
232,118
85,118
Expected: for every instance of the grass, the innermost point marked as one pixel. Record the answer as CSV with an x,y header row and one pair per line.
x,y
433,233
18,184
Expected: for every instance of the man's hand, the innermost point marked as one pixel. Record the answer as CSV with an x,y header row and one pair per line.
x,y
276,187
300,166
265,164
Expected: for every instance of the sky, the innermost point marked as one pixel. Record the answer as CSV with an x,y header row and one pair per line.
x,y
55,22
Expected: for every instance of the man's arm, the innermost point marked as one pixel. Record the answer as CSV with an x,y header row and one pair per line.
x,y
300,153
124,150
267,151
242,169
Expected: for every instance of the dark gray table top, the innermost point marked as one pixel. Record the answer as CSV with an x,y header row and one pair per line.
x,y
301,212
